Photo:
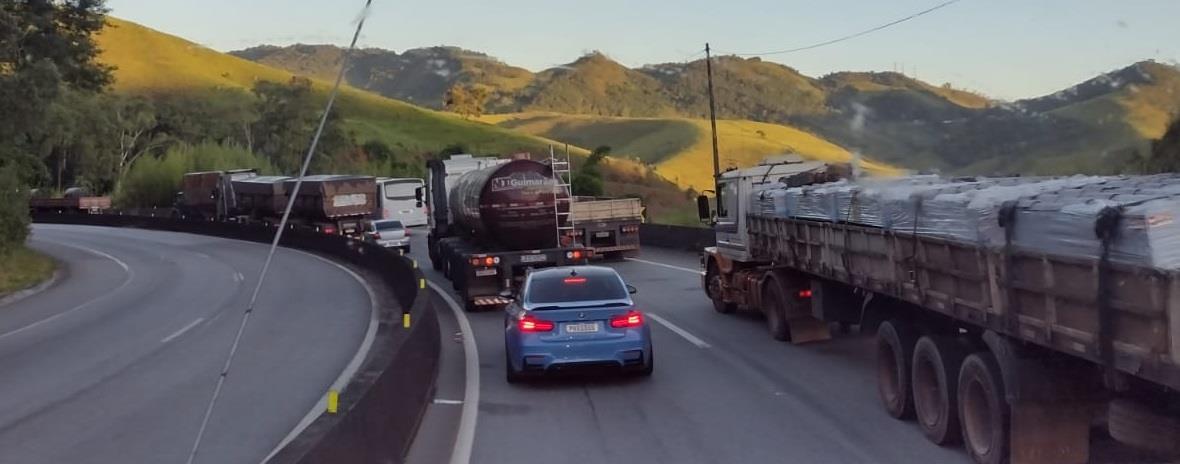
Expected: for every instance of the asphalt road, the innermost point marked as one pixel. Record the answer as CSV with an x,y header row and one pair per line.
x,y
116,362
723,392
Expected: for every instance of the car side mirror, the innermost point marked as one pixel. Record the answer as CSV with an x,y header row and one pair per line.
x,y
703,210
418,195
419,204
632,290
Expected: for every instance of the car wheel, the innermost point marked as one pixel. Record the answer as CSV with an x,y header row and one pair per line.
x,y
510,374
651,364
407,248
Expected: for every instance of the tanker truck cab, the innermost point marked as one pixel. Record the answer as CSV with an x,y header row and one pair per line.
x,y
491,221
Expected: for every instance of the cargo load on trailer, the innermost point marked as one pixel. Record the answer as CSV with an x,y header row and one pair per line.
x,y
608,226
210,195
74,200
1010,313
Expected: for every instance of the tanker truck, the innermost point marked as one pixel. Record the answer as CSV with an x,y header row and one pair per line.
x,y
491,221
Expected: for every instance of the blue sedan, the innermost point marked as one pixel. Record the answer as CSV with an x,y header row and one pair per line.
x,y
568,318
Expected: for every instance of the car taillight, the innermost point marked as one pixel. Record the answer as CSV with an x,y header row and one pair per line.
x,y
530,323
633,318
804,293
377,235
407,232
329,230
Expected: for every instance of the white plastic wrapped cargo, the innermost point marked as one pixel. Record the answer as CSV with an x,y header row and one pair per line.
x,y
863,202
817,202
978,209
1147,233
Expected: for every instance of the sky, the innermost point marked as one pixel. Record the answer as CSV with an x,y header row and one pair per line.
x,y
1007,49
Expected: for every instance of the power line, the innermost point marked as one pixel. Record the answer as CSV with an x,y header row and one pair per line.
x,y
278,235
858,34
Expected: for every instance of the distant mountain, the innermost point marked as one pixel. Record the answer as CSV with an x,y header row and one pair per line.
x,y
1100,125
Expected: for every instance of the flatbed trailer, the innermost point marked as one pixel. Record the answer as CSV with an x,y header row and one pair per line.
x,y
1015,353
608,226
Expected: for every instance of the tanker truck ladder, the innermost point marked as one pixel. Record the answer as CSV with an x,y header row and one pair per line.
x,y
563,179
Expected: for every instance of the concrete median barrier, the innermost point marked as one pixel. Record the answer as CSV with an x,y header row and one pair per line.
x,y
380,408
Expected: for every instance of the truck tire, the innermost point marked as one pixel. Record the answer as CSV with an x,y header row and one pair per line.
x,y
713,290
983,409
895,348
1135,424
774,306
935,381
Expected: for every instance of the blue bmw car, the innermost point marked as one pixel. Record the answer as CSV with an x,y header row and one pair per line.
x,y
569,318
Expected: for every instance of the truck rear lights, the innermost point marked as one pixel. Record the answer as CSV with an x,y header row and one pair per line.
x,y
530,323
629,229
632,319
330,230
486,261
805,293
576,254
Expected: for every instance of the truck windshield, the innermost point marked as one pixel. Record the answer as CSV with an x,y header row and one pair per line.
x,y
574,288
403,190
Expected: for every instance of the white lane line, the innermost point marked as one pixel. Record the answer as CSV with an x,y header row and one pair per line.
x,y
126,269
679,331
442,401
346,375
182,330
669,266
465,439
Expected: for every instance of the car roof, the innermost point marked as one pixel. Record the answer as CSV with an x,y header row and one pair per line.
x,y
591,271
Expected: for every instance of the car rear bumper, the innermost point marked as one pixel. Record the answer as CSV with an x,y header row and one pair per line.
x,y
557,357
394,243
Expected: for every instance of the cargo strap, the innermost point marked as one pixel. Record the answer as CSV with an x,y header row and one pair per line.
x,y
1007,221
1106,227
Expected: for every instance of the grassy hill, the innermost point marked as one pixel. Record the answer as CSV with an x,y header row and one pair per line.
x,y
595,84
150,62
680,149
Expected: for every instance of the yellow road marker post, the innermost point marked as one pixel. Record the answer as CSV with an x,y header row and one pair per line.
x,y
406,320
333,401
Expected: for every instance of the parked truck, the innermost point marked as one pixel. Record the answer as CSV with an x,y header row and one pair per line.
x,y
74,200
1013,351
608,226
491,220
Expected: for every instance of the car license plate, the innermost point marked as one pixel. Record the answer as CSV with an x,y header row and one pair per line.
x,y
602,234
485,272
581,327
533,258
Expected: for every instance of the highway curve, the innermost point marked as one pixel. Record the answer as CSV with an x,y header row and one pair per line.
x,y
116,362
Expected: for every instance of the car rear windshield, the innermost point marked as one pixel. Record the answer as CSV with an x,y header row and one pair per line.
x,y
566,288
389,225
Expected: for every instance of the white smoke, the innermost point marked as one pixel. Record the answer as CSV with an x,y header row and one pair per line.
x,y
858,119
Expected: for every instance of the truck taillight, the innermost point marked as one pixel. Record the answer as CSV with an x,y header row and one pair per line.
x,y
530,323
330,230
629,229
632,319
804,293
487,261
576,254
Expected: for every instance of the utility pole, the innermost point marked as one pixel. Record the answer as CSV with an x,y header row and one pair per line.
x,y
713,124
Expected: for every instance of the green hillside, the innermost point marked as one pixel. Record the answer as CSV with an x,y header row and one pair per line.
x,y
153,63
595,84
681,149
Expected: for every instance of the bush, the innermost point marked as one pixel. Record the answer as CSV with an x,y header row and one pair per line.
x,y
155,181
14,212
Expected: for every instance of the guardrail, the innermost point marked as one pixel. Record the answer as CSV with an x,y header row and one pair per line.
x,y
381,407
676,237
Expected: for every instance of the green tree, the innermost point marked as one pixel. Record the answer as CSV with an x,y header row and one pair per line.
x,y
587,180
14,212
466,100
46,47
1165,152
287,118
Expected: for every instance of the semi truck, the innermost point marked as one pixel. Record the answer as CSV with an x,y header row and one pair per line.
x,y
333,204
1014,352
491,220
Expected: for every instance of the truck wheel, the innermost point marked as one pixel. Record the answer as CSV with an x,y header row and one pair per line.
x,y
775,309
895,346
983,409
1137,425
935,380
713,289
